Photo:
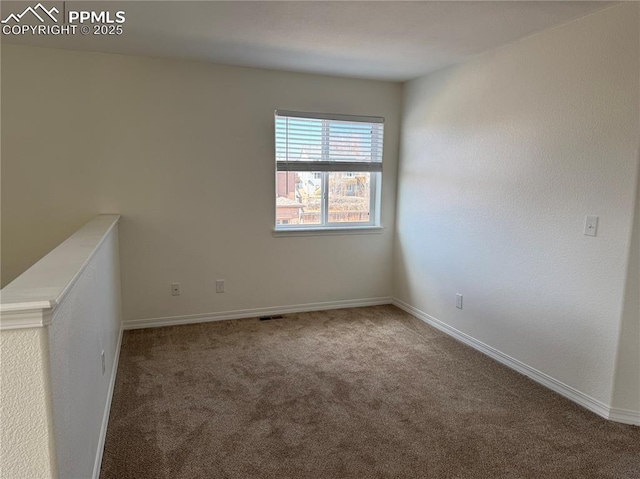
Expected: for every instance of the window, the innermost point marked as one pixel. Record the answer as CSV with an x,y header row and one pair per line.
x,y
328,170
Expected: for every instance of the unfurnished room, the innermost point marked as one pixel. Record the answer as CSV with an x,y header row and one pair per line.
x,y
320,239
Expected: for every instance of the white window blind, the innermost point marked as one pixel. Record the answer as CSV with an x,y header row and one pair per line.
x,y
321,142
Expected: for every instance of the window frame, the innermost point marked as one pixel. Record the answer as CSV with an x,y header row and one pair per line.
x,y
375,179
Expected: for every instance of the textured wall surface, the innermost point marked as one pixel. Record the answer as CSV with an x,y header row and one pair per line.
x,y
26,432
87,322
185,152
502,158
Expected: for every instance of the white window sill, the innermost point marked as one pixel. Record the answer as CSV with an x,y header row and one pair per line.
x,y
347,230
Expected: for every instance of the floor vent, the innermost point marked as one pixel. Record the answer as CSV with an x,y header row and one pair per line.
x,y
267,318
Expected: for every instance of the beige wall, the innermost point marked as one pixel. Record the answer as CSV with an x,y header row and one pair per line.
x,y
185,152
502,158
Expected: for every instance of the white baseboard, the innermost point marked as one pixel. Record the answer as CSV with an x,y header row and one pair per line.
x,y
107,408
626,416
252,313
593,405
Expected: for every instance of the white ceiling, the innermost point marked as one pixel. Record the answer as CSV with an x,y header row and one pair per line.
x,y
390,40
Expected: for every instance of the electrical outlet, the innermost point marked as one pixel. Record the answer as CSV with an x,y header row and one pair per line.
x,y
220,286
458,301
104,364
175,289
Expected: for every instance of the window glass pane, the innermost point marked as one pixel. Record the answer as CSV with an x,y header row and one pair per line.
x,y
298,198
349,197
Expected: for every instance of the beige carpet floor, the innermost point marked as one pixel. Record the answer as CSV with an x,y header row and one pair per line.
x,y
353,393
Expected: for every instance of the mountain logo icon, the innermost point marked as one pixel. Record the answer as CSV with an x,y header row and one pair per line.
x,y
39,11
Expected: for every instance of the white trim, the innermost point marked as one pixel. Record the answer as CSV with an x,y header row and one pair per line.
x,y
29,300
626,416
114,219
27,306
252,313
329,116
328,231
28,318
107,409
329,166
593,405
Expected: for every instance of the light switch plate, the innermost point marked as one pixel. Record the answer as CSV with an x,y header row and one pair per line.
x,y
591,225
